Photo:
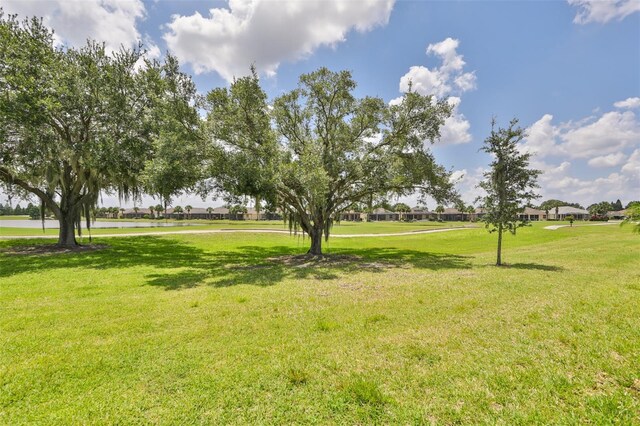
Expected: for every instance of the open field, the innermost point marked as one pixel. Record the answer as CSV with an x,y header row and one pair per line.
x,y
229,328
339,228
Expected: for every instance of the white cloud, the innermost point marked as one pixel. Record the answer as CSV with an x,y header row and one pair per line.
x,y
590,138
458,175
612,132
456,127
632,168
109,21
603,11
604,141
610,160
629,103
425,81
541,137
557,182
445,80
266,33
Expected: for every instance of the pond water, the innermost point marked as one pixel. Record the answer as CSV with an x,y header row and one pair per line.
x,y
51,224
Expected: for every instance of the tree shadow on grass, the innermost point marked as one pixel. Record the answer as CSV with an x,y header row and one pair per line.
x,y
180,265
534,267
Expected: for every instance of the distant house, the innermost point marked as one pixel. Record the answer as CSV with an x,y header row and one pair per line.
x,y
381,214
353,216
533,214
219,213
419,214
478,213
451,215
617,214
132,214
564,211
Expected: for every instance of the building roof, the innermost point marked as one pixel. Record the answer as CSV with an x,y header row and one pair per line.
x,y
569,210
530,211
380,210
451,210
416,210
140,211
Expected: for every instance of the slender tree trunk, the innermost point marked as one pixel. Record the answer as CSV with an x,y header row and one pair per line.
x,y
67,236
499,260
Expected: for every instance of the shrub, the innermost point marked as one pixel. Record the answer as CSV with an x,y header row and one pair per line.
x,y
599,218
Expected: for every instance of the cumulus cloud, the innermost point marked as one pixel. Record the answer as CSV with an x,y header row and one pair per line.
x,y
110,21
557,182
541,137
612,132
456,127
266,33
443,81
602,141
603,11
457,175
629,103
610,160
632,168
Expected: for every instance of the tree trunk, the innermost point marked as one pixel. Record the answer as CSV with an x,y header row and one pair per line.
x,y
67,236
499,260
316,242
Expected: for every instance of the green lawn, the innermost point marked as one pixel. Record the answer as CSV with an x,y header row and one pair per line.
x,y
221,328
338,228
14,217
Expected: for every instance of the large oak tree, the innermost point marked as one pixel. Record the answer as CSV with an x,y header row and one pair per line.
x,y
77,122
318,150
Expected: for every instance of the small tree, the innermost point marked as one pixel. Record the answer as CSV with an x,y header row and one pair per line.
x,y
160,208
439,210
136,209
188,208
401,208
472,211
209,211
509,184
178,210
570,218
151,210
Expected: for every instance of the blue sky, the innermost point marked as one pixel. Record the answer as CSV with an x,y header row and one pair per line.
x,y
569,70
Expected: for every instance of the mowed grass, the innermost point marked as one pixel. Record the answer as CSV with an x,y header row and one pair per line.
x,y
222,328
205,225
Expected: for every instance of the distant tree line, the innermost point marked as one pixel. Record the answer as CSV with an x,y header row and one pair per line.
x,y
30,210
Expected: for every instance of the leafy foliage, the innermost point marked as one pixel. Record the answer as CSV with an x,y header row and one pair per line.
x,y
326,151
600,209
633,216
551,204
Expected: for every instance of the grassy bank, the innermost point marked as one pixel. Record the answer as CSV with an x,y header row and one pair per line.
x,y
418,329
